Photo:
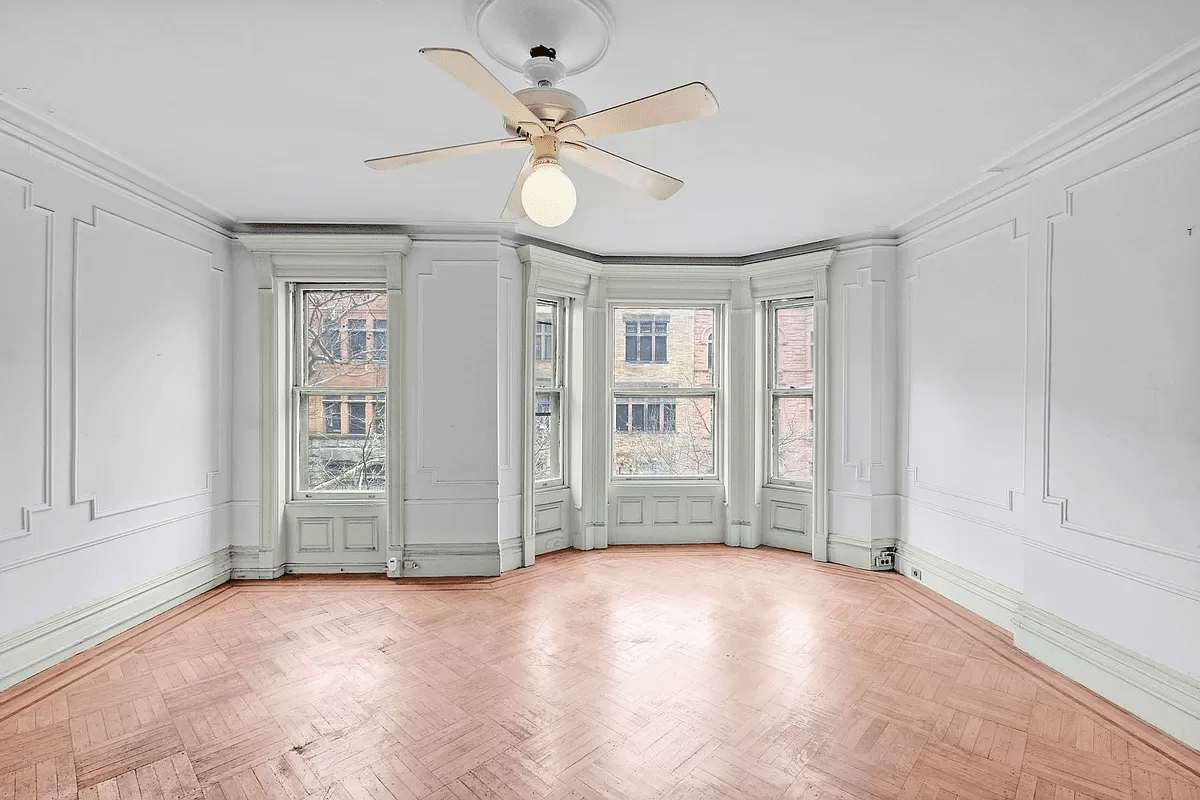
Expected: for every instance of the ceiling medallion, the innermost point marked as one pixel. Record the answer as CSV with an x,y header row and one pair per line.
x,y
580,31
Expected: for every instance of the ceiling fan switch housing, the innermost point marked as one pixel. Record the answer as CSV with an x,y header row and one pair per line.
x,y
543,71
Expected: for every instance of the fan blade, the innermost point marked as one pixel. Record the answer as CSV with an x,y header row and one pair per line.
x,y
674,105
513,209
403,160
653,183
475,76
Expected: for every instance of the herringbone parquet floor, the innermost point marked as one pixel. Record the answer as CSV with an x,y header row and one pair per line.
x,y
704,672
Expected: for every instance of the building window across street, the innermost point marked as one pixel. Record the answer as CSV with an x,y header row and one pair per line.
x,y
646,337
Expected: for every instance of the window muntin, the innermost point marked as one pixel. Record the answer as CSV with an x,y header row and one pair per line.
x,y
664,392
340,391
548,438
792,403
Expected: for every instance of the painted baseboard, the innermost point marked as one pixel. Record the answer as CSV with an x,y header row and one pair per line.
x,y
248,563
453,559
854,552
1168,700
1163,697
334,568
512,553
665,534
993,601
38,647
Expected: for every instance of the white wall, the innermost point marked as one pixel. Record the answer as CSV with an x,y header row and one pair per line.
x,y
115,345
464,307
1050,429
862,387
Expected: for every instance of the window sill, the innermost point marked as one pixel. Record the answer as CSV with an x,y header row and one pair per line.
x,y
326,499
795,487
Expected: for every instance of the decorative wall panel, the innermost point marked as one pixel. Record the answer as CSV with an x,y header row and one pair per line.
x,y
966,381
361,534
146,366
25,352
314,535
1122,416
455,330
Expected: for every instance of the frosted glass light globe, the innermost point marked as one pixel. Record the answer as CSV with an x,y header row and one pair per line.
x,y
548,196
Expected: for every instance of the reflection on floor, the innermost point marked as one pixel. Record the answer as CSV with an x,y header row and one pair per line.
x,y
635,672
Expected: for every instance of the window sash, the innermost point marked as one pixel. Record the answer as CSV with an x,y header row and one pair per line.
x,y
776,392
549,348
356,420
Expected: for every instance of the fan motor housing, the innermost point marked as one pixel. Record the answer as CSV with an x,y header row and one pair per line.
x,y
552,106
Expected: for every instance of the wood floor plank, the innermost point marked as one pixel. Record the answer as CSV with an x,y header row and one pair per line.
x,y
639,672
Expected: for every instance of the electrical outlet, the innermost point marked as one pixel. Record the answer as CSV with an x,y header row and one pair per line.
x,y
916,573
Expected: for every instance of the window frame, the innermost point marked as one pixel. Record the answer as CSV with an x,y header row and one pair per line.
x,y
558,346
774,392
715,391
299,390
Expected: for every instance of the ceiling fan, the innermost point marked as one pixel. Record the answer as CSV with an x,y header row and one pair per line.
x,y
552,122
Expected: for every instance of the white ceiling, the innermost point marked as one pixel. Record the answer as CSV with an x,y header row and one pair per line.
x,y
836,117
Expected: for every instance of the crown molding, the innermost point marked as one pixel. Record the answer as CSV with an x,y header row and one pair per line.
x,y
502,232
1160,84
321,243
92,160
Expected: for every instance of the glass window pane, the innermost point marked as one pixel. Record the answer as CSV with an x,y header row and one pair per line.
x,y
622,416
683,445
793,423
379,340
335,337
356,340
333,414
357,410
545,364
662,347
348,456
637,421
547,447
793,347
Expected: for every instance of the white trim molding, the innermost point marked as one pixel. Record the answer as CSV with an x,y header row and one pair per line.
x,y
46,643
278,260
47,378
1161,696
460,559
1167,699
993,601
